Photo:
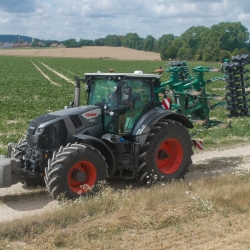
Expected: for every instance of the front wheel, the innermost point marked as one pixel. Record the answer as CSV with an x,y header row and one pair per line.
x,y
166,154
74,171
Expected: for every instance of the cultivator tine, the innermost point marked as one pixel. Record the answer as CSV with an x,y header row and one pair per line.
x,y
202,122
224,125
206,122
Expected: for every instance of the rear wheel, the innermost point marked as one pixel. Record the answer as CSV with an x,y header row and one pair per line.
x,y
74,171
166,154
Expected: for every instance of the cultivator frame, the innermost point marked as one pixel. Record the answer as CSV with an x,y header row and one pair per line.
x,y
187,94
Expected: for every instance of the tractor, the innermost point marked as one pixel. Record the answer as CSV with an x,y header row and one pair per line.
x,y
122,130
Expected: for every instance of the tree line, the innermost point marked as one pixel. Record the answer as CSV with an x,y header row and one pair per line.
x,y
220,41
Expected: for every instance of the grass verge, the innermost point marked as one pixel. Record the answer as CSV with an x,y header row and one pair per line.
x,y
209,213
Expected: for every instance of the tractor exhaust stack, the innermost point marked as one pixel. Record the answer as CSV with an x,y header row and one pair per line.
x,y
77,92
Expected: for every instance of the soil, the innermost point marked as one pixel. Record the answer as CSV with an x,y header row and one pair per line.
x,y
18,201
103,52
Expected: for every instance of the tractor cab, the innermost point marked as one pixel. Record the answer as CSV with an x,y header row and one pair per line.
x,y
124,98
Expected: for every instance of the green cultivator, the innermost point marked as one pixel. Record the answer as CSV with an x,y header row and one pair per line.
x,y
188,94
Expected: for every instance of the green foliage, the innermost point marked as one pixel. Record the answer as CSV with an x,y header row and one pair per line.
x,y
163,53
71,43
185,54
164,41
197,42
235,52
224,54
149,44
192,37
26,94
85,42
243,51
35,44
227,36
112,40
132,40
211,54
99,42
171,52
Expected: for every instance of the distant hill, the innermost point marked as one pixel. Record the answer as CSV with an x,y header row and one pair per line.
x,y
14,38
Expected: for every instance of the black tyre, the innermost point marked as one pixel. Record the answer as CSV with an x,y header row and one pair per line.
x,y
166,154
34,182
74,171
22,144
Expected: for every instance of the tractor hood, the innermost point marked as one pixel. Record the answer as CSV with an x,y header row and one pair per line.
x,y
74,110
82,110
68,121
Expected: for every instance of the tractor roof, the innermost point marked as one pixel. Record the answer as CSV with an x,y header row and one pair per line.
x,y
139,74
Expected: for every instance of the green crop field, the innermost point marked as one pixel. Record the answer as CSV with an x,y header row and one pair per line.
x,y
30,87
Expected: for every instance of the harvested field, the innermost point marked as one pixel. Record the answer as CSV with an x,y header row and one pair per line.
x,y
104,52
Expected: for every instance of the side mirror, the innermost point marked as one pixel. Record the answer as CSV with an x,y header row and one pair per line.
x,y
126,95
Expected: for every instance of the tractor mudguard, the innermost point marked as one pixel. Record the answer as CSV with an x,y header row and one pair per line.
x,y
149,119
102,147
8,171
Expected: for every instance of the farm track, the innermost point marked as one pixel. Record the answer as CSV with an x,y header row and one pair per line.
x,y
57,73
45,76
17,202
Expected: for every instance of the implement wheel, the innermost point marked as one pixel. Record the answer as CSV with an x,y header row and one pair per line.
x,y
74,171
166,154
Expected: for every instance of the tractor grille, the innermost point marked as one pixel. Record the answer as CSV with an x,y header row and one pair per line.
x,y
76,121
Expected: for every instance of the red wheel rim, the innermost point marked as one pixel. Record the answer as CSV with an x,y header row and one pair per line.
x,y
169,156
89,170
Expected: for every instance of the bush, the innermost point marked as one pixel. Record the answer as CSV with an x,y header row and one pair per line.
x,y
211,54
185,53
224,54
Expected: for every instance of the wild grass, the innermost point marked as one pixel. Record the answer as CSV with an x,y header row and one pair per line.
x,y
210,213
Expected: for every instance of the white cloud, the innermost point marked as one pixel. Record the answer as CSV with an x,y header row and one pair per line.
x,y
92,19
244,17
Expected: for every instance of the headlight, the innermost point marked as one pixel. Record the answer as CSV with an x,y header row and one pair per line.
x,y
40,130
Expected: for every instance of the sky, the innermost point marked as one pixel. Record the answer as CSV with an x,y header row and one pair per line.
x,y
93,19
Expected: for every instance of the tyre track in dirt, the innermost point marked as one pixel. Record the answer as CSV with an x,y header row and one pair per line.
x,y
45,76
57,73
17,202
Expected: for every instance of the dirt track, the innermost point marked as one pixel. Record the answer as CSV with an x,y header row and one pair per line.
x,y
16,202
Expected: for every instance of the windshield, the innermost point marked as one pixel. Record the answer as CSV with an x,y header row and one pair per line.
x,y
103,91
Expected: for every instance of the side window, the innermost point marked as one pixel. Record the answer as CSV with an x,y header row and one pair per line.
x,y
140,97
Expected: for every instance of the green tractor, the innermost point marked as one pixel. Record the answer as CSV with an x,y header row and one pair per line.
x,y
122,130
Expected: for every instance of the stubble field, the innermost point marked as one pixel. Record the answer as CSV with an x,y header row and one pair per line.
x,y
103,52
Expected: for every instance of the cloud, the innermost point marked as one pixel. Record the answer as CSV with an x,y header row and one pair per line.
x,y
92,19
17,6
